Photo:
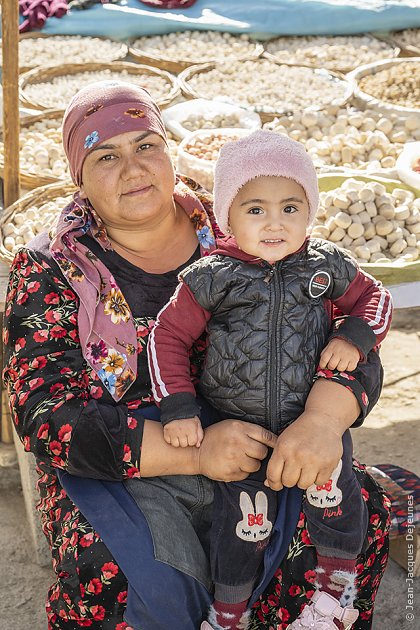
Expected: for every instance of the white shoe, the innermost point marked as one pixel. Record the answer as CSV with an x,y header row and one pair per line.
x,y
322,611
243,622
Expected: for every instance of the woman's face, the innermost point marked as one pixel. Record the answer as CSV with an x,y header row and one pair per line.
x,y
129,179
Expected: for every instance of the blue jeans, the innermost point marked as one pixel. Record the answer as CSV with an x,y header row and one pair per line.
x,y
161,596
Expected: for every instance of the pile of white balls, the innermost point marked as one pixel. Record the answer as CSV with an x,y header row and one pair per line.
x,y
342,53
265,86
372,224
196,46
57,92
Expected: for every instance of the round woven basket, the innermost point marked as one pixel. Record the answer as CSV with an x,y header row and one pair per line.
x,y
395,51
30,180
363,100
46,74
394,39
33,199
389,273
190,92
121,50
178,65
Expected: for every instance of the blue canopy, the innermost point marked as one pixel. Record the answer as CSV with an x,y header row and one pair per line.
x,y
262,19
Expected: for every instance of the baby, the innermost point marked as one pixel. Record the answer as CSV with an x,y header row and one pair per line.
x,y
266,299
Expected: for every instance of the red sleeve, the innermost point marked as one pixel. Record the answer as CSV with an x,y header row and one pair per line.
x,y
367,299
181,321
368,306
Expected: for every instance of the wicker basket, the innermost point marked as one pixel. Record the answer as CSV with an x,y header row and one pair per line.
x,y
178,65
43,75
30,180
266,116
389,273
406,50
120,52
363,100
273,57
34,198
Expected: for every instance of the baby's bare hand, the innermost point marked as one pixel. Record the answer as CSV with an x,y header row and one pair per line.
x,y
184,432
340,355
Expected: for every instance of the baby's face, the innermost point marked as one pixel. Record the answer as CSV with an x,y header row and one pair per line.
x,y
269,217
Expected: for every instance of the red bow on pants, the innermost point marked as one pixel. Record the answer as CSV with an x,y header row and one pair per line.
x,y
255,519
327,486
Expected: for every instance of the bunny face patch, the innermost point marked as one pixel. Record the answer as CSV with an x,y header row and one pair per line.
x,y
254,525
329,494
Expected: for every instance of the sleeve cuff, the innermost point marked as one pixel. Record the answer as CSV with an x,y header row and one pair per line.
x,y
178,406
349,382
357,332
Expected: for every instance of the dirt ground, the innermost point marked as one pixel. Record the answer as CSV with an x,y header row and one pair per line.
x,y
391,434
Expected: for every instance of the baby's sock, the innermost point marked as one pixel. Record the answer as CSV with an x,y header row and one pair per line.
x,y
224,616
337,576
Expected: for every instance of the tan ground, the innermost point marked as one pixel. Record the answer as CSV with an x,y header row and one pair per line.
x,y
390,434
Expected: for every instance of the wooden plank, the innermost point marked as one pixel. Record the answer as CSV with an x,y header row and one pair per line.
x,y
10,46
405,550
4,280
6,429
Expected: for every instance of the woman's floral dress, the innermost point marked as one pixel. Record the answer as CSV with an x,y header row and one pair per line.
x,y
66,417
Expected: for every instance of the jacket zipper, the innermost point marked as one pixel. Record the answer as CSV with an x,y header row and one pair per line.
x,y
274,274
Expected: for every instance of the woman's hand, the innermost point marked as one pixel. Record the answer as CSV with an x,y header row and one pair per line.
x,y
305,453
232,449
309,449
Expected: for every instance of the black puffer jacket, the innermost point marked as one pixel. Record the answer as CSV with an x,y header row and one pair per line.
x,y
267,326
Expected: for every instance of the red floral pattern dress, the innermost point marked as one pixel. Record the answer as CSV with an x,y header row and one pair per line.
x,y
65,416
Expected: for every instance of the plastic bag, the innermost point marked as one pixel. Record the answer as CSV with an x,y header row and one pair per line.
x,y
199,169
407,161
175,117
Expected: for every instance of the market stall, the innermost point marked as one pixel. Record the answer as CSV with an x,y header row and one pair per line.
x,y
219,72
319,81
354,123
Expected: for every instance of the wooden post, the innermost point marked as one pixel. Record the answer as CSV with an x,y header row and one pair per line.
x,y
10,43
10,48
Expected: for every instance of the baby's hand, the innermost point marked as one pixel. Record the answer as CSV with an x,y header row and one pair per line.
x,y
184,432
340,355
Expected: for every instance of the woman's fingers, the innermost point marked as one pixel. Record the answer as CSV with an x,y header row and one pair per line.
x,y
232,449
274,473
260,435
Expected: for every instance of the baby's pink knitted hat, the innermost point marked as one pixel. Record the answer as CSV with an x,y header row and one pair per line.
x,y
261,154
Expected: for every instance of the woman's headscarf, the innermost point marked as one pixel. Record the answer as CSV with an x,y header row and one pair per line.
x,y
106,327
101,111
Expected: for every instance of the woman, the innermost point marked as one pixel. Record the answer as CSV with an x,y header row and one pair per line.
x,y
80,306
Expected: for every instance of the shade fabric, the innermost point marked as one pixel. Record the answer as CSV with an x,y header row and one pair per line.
x,y
281,17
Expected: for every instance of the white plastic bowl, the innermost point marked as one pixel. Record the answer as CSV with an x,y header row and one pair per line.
x,y
201,170
404,165
174,116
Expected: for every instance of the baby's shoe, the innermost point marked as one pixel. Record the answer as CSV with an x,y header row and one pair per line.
x,y
243,622
321,613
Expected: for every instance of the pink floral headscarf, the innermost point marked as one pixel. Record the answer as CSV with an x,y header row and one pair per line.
x,y
102,110
106,327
